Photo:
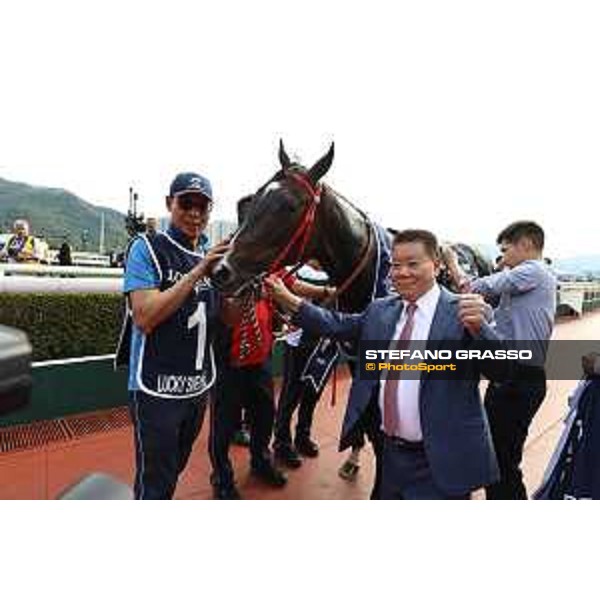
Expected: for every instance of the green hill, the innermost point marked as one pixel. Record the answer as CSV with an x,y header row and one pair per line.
x,y
57,215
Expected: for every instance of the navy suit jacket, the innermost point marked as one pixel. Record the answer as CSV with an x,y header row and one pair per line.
x,y
455,429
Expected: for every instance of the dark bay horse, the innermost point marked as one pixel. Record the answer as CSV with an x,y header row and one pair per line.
x,y
293,218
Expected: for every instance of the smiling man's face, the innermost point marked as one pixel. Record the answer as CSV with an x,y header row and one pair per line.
x,y
413,270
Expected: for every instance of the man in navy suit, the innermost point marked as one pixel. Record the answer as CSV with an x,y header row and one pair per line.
x,y
436,440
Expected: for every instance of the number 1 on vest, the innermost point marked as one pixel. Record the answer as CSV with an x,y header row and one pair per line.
x,y
198,318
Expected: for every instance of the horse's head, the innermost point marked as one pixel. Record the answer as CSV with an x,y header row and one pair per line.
x,y
275,224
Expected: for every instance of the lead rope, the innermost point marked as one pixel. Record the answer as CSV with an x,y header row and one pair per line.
x,y
249,325
333,401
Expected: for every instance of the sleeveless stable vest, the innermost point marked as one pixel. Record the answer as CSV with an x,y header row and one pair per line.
x,y
16,245
176,359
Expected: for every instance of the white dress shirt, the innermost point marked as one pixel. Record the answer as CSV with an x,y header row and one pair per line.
x,y
409,388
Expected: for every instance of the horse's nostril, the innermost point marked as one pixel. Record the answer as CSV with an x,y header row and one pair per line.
x,y
221,274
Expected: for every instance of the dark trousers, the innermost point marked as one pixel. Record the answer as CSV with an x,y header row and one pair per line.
x,y
164,433
295,394
406,475
510,408
252,388
366,425
369,427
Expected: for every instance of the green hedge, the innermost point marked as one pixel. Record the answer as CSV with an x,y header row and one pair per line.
x,y
65,325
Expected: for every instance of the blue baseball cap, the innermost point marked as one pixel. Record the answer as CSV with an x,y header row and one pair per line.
x,y
186,183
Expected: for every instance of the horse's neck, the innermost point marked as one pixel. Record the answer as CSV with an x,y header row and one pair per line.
x,y
340,241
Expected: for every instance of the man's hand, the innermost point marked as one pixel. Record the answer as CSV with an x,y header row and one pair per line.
x,y
205,267
275,286
151,307
448,256
472,311
457,276
280,293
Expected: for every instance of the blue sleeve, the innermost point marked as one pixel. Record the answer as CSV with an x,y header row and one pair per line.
x,y
520,279
320,321
140,271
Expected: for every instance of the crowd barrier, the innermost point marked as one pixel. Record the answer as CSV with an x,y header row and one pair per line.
x,y
573,298
33,279
578,297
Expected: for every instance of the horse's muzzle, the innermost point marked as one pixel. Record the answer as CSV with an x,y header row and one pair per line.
x,y
222,276
228,280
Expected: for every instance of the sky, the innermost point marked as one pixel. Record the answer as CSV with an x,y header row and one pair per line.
x,y
459,117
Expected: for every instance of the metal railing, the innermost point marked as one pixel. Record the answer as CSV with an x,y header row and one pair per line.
x,y
9,269
577,297
34,278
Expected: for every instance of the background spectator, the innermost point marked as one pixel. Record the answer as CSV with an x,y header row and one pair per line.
x,y
21,246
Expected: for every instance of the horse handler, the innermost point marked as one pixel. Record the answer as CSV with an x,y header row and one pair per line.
x,y
526,294
243,347
171,320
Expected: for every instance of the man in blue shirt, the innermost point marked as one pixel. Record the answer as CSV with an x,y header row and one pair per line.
x,y
171,362
525,291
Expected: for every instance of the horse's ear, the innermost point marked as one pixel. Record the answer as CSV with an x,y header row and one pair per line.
x,y
321,167
284,159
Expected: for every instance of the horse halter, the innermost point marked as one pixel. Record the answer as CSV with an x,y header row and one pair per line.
x,y
303,232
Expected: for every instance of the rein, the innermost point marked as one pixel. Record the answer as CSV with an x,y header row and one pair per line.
x,y
362,263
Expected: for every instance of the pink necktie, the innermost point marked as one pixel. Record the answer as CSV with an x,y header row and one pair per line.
x,y
391,417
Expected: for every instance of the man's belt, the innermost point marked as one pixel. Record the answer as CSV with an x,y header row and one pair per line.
x,y
404,444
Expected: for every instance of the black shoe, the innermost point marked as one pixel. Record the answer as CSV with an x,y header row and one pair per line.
x,y
269,474
226,492
307,447
288,457
241,438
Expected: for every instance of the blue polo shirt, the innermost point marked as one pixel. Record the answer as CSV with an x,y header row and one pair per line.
x,y
141,274
527,304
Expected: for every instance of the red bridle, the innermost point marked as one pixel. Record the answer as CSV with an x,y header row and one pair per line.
x,y
305,228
